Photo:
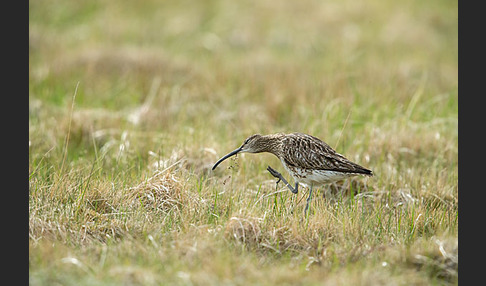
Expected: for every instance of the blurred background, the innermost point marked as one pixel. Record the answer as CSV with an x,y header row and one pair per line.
x,y
222,70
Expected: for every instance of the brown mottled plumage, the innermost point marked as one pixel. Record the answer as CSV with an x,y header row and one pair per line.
x,y
308,159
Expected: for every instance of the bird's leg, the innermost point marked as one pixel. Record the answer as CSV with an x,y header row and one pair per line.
x,y
308,200
281,178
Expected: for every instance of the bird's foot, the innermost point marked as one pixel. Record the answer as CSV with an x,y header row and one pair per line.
x,y
281,178
274,173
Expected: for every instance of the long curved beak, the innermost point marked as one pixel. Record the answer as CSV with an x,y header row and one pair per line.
x,y
226,157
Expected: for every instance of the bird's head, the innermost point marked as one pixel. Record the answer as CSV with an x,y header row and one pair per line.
x,y
253,144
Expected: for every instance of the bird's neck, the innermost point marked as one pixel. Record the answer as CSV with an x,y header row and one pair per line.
x,y
273,144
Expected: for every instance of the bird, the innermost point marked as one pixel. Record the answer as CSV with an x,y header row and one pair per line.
x,y
309,160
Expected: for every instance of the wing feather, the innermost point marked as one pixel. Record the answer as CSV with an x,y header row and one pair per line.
x,y
309,152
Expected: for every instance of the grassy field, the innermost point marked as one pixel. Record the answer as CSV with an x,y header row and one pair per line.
x,y
131,103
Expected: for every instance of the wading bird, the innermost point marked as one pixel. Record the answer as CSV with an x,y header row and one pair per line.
x,y
309,160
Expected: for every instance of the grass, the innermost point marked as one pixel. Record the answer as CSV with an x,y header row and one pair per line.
x,y
130,104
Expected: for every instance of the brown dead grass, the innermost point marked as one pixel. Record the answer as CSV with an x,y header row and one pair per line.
x,y
160,192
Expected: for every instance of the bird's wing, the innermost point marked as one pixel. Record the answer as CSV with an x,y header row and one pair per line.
x,y
309,152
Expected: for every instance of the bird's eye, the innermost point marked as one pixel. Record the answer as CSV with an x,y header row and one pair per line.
x,y
250,138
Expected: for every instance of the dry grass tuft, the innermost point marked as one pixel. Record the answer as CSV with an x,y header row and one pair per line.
x,y
161,192
347,187
439,257
269,235
244,230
